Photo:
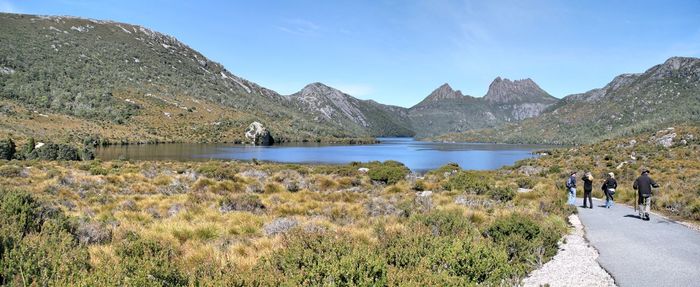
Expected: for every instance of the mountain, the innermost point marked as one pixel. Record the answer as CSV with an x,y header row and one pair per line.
x,y
328,105
448,111
519,99
666,94
68,78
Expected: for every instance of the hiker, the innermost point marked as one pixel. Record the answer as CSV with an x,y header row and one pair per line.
x,y
643,185
587,189
608,188
571,187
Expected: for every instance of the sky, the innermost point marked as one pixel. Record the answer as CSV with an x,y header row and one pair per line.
x,y
397,52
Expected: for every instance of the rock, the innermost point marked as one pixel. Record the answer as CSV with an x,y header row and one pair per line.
x,y
256,174
153,212
474,202
255,187
259,135
363,170
244,202
424,200
279,226
128,205
93,233
524,190
378,206
530,170
174,209
666,140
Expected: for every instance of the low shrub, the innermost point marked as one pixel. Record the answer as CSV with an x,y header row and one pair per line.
x,y
36,243
241,202
10,171
468,181
7,149
502,193
389,172
315,259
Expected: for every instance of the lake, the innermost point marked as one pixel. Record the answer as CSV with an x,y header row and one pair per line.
x,y
416,155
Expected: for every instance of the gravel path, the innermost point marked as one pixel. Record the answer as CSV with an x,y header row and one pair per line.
x,y
574,265
658,252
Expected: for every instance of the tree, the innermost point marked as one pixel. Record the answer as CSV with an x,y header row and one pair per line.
x,y
7,149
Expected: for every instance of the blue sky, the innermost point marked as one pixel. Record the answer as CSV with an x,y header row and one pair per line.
x,y
397,52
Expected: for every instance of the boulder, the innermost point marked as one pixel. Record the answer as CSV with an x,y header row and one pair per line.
x,y
259,135
93,233
279,226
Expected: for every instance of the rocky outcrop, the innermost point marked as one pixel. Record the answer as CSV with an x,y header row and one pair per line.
x,y
505,91
259,135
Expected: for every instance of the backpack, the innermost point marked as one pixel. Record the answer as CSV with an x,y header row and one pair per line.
x,y
568,183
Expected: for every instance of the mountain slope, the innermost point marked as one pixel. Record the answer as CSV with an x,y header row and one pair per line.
x,y
329,105
448,111
72,77
665,94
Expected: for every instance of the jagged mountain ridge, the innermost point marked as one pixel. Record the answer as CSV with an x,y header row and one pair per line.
x,y
665,94
448,111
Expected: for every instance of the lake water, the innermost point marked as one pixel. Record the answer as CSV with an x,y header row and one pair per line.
x,y
417,155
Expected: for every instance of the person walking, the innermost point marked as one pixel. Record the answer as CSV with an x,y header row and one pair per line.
x,y
608,188
643,185
571,187
587,189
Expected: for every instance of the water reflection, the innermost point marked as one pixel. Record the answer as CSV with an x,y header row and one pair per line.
x,y
419,156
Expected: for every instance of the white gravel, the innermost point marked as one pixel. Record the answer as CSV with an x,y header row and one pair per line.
x,y
574,265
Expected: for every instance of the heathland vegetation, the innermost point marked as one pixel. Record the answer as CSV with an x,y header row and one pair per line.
x,y
91,223
247,224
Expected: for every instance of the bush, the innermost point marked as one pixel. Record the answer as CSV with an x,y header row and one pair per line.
x,y
241,202
468,181
526,241
66,152
7,149
36,243
502,193
390,172
147,262
316,259
10,171
525,182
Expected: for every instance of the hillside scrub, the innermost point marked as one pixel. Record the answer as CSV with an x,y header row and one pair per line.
x,y
190,223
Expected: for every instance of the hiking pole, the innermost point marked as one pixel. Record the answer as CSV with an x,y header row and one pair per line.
x,y
636,200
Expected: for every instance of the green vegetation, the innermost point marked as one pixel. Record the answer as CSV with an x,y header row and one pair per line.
x,y
241,224
389,172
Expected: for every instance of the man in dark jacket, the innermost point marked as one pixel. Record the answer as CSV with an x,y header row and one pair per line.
x,y
643,186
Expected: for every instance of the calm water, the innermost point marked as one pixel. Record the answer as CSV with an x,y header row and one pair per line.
x,y
418,156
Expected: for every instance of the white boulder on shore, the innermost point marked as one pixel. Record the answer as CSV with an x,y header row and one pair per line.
x,y
258,134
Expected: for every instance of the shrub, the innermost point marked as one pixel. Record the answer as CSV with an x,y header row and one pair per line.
x,y
525,182
36,243
502,193
526,241
390,172
67,152
315,259
241,202
468,181
445,222
10,171
143,261
7,149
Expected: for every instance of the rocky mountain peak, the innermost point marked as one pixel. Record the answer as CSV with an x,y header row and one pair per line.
x,y
444,92
503,91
